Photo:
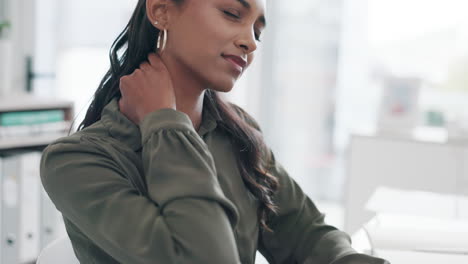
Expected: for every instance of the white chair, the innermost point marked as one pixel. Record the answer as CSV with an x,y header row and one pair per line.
x,y
59,251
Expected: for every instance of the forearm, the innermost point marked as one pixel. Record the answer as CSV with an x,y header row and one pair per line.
x,y
182,180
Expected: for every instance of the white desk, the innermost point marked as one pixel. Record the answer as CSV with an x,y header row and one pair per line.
x,y
403,163
413,257
398,240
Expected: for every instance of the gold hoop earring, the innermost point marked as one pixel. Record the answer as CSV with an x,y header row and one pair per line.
x,y
158,46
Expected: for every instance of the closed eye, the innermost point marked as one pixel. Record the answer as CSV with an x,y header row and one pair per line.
x,y
257,36
230,14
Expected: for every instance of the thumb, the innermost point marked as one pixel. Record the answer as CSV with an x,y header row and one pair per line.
x,y
156,62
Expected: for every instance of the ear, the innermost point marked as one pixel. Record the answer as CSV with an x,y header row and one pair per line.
x,y
158,10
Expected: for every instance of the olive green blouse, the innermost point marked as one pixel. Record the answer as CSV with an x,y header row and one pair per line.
x,y
163,193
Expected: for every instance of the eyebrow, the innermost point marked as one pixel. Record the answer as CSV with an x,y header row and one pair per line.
x,y
247,5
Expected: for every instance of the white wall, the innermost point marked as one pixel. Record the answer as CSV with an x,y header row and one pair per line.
x,y
18,44
45,48
85,32
355,98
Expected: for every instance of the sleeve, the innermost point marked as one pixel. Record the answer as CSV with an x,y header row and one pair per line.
x,y
185,219
300,233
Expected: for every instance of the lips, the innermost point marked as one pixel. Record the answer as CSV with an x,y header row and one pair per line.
x,y
236,59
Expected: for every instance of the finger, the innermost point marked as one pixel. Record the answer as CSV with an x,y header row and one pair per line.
x,y
155,61
127,80
122,81
136,72
145,66
153,57
132,73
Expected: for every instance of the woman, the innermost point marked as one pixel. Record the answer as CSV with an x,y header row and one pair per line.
x,y
162,170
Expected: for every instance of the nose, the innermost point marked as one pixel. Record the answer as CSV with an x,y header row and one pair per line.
x,y
247,42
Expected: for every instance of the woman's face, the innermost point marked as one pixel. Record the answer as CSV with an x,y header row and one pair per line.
x,y
203,33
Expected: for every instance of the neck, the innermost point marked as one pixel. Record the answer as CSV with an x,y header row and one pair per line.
x,y
188,90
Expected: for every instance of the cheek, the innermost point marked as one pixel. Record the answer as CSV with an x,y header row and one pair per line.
x,y
198,41
201,31
212,31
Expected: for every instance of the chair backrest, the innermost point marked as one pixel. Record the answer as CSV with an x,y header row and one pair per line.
x,y
59,251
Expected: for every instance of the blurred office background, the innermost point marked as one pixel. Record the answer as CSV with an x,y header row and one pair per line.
x,y
327,71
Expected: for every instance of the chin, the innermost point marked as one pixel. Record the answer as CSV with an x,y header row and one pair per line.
x,y
224,89
223,86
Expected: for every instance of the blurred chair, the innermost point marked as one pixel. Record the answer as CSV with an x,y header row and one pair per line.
x,y
59,251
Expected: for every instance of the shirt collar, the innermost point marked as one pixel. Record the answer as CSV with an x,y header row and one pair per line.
x,y
126,131
210,117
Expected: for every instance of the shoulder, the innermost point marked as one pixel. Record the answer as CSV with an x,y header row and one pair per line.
x,y
76,139
90,142
70,158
